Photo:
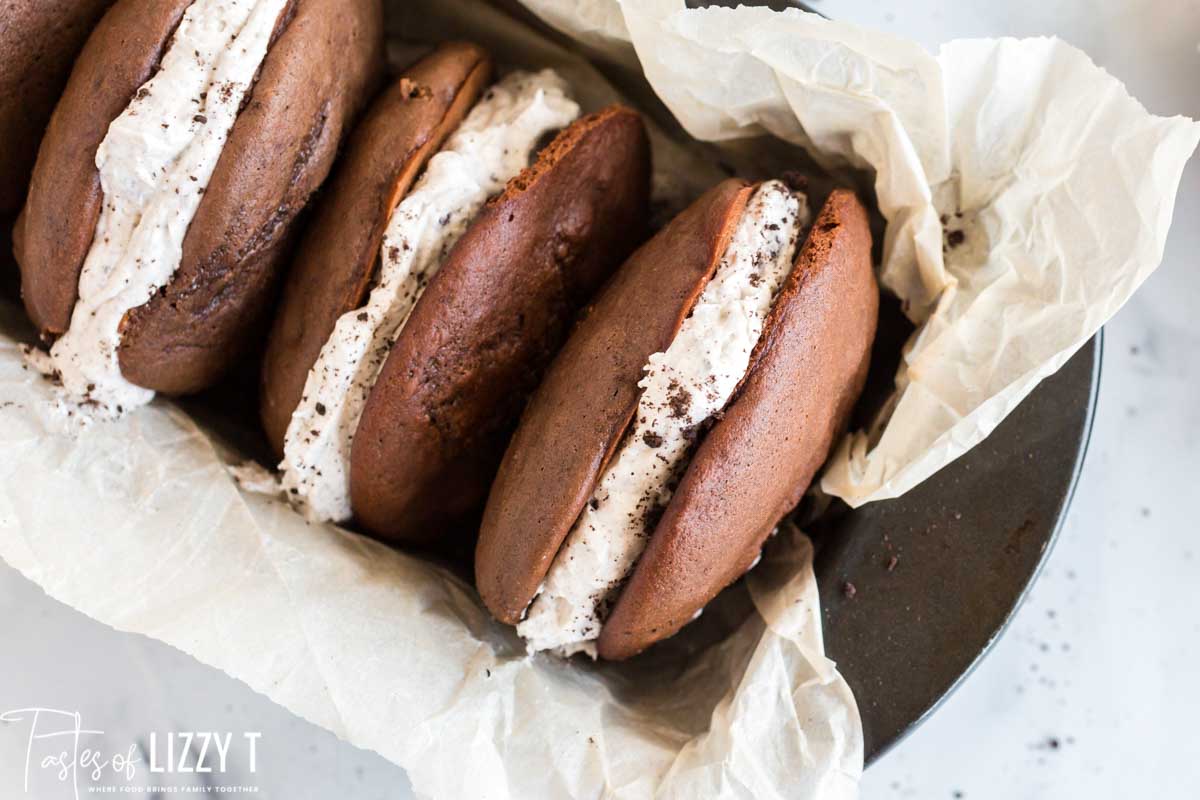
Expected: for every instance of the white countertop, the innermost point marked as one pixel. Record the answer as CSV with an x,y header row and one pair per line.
x,y
1092,691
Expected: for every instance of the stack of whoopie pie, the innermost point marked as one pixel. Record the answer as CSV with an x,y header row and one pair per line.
x,y
683,419
189,137
433,301
467,223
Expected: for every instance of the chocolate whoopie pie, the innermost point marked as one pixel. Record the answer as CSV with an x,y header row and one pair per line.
x,y
189,137
683,419
438,278
39,40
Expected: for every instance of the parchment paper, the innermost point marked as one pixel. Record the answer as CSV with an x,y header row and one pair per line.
x,y
1067,187
1060,185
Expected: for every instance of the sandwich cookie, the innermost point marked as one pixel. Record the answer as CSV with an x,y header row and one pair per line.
x,y
190,135
437,279
39,40
686,415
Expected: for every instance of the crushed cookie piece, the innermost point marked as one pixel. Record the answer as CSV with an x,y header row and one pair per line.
x,y
651,514
680,400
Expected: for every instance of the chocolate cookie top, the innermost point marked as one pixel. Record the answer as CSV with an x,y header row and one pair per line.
x,y
579,414
757,461
39,40
55,230
335,260
488,323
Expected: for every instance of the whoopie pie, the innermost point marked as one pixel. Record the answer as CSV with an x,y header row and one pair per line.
x,y
684,418
189,137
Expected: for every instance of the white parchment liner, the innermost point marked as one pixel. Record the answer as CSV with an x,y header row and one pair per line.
x,y
1066,187
1061,184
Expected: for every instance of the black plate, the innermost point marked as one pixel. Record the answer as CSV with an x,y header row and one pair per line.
x,y
967,544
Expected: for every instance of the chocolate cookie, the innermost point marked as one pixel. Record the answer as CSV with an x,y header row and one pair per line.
x,y
39,40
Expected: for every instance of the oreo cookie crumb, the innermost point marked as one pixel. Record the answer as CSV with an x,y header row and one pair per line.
x,y
680,401
650,517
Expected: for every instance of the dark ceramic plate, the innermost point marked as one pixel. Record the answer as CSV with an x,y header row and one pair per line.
x,y
967,544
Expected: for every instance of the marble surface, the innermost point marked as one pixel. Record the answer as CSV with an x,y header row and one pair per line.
x,y
1091,693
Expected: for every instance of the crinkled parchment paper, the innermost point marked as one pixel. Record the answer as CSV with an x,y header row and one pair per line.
x,y
1065,186
1027,194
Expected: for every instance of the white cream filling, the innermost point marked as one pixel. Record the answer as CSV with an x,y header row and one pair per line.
x,y
682,388
491,146
155,162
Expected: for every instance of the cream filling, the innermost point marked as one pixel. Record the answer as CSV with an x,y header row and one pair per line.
x,y
491,146
682,389
155,162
